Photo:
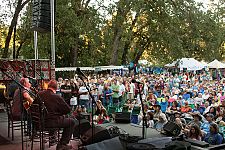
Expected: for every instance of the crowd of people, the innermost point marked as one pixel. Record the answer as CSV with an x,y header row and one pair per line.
x,y
195,102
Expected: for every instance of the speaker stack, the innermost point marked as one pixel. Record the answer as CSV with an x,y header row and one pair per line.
x,y
41,20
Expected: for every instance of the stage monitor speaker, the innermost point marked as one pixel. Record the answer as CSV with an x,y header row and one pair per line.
x,y
41,20
172,128
99,134
122,117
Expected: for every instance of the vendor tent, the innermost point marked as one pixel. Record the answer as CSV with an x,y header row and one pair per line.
x,y
189,64
216,64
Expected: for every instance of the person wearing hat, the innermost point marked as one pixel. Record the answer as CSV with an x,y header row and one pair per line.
x,y
196,119
158,113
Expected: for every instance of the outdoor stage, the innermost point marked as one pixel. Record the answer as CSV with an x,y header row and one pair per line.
x,y
16,144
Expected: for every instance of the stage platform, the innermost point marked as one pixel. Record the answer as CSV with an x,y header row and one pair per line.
x,y
130,129
16,144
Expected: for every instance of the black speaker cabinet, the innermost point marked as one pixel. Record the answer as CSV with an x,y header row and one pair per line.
x,y
122,117
99,134
172,128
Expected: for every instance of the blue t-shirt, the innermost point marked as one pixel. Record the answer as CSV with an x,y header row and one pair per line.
x,y
205,127
213,139
186,96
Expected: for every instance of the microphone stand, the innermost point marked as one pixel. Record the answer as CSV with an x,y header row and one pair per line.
x,y
144,114
92,105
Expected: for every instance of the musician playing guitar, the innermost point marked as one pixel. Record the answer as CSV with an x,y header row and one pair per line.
x,y
26,98
22,95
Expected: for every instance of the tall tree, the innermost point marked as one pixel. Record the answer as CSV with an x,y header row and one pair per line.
x,y
19,7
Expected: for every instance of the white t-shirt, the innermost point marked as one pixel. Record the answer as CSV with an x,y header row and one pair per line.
x,y
82,96
198,100
205,96
132,87
121,89
100,89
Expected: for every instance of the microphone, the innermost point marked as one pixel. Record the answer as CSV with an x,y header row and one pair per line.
x,y
79,72
135,81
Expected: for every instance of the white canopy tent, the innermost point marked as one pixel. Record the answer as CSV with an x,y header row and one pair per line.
x,y
216,64
190,64
204,63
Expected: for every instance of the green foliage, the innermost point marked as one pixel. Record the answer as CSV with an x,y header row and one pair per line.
x,y
163,30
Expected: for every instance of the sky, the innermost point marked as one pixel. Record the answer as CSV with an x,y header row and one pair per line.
x,y
4,9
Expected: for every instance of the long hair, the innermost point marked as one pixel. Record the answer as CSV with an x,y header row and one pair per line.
x,y
197,131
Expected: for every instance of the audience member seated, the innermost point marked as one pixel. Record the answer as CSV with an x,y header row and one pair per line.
x,y
186,108
129,104
159,117
196,119
205,125
193,132
214,103
98,108
207,107
220,117
199,100
213,137
213,111
161,121
178,115
198,109
174,107
103,117
149,117
140,116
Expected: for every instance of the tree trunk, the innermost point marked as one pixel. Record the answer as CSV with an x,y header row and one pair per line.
x,y
19,7
128,41
117,37
125,52
14,43
74,52
18,50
